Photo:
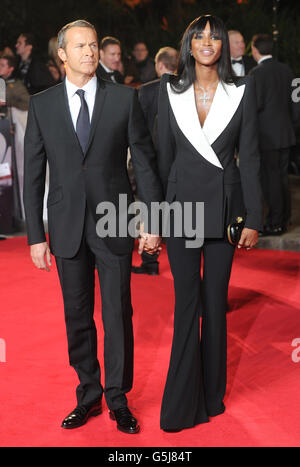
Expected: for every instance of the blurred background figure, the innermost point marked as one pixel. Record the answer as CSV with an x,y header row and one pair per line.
x,y
110,62
6,51
32,70
54,64
166,61
17,100
16,93
140,66
241,63
277,115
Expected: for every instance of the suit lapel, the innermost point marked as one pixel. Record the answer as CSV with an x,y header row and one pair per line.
x,y
226,101
185,112
98,107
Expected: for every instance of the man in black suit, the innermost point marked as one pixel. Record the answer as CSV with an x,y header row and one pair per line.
x,y
241,63
110,59
166,61
31,70
82,128
273,83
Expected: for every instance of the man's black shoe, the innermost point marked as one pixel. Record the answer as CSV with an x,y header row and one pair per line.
x,y
150,269
125,420
80,415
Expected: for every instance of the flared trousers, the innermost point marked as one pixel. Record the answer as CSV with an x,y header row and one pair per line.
x,y
196,380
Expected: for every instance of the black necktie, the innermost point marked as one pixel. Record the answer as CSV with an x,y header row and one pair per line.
x,y
83,121
237,61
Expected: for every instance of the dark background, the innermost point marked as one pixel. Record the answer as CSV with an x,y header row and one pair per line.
x,y
157,22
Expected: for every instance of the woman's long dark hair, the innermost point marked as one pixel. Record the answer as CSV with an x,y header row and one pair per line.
x,y
186,73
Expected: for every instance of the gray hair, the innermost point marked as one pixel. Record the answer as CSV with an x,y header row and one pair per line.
x,y
80,23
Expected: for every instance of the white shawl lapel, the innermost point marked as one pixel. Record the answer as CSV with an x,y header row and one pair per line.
x,y
224,105
226,101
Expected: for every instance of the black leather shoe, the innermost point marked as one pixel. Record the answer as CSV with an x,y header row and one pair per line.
x,y
125,420
150,269
80,415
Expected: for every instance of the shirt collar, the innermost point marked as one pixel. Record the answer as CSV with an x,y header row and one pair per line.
x,y
238,58
266,57
108,70
90,87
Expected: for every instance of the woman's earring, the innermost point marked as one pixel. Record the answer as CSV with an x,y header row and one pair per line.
x,y
191,53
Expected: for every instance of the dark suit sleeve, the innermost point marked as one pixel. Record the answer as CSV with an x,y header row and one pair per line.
x,y
145,105
34,178
249,159
143,156
165,138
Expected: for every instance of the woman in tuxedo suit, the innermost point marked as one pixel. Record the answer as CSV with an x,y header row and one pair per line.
x,y
205,115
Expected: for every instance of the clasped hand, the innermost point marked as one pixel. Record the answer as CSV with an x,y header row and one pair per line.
x,y
149,243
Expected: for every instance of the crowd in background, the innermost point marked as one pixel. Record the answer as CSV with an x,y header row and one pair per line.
x,y
26,73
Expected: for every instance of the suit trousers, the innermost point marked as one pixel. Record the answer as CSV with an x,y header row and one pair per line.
x,y
275,185
196,381
77,278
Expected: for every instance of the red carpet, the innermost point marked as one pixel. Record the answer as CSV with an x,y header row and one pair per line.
x,y
37,386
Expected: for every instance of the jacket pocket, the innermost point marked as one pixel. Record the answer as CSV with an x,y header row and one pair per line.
x,y
55,196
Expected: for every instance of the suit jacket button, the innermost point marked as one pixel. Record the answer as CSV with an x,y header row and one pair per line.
x,y
84,165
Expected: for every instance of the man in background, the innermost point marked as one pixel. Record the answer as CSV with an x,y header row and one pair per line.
x,y
241,63
31,70
276,118
16,93
166,61
110,60
140,66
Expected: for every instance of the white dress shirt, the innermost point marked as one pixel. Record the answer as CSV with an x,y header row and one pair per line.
x,y
266,57
238,68
90,89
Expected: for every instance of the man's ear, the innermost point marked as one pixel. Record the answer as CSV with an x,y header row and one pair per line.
x,y
62,55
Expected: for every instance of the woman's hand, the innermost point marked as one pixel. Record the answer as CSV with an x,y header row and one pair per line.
x,y
249,238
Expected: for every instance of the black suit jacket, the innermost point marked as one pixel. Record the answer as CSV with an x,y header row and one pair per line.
x,y
148,96
38,77
77,178
273,84
249,63
102,74
198,164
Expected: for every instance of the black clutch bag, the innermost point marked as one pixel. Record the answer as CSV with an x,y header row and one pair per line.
x,y
234,231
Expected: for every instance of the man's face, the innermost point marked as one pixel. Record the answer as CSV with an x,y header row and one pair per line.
x,y
111,56
5,69
140,52
237,45
81,54
21,46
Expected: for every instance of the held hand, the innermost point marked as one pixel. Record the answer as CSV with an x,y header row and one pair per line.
x,y
40,255
249,238
149,243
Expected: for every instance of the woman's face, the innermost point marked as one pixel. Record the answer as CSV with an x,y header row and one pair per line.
x,y
206,47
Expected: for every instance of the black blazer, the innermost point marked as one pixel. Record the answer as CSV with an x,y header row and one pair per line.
x,y
148,96
249,63
77,178
198,164
38,78
273,84
102,74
